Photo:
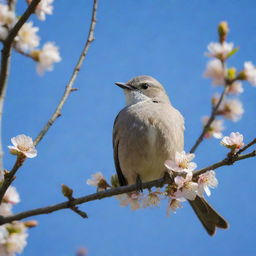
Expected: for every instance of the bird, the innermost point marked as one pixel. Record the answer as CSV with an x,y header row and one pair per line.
x,y
147,132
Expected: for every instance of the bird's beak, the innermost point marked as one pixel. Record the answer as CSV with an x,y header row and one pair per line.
x,y
124,86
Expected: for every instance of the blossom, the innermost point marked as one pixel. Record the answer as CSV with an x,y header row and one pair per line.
x,y
186,187
234,141
250,72
173,205
43,8
230,108
215,129
7,17
181,163
132,199
219,50
98,180
47,57
24,145
216,72
27,39
236,88
152,199
13,238
206,181
3,32
10,198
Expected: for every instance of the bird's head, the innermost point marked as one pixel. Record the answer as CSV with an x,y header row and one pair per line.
x,y
143,88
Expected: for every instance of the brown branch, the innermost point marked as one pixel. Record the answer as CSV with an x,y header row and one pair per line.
x,y
10,176
229,160
115,191
6,51
76,70
211,119
7,182
246,146
4,74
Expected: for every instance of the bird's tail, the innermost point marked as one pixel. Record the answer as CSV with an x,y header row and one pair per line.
x,y
207,215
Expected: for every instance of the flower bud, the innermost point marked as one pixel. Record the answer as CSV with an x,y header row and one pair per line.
x,y
66,191
31,223
223,30
231,73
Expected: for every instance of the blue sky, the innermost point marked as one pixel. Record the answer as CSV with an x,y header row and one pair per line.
x,y
164,39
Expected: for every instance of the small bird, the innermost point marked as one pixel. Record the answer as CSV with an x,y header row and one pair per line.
x,y
147,132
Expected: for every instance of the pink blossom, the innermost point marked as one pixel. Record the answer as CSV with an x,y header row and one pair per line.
x,y
206,181
233,141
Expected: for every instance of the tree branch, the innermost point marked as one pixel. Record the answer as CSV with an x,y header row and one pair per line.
x,y
211,119
7,182
10,176
76,70
4,73
8,44
116,191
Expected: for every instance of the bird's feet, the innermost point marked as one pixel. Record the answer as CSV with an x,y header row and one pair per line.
x,y
139,184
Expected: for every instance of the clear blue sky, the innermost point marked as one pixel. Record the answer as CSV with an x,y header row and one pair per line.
x,y
164,39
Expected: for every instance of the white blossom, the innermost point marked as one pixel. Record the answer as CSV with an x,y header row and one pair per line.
x,y
206,181
43,8
27,39
230,108
23,144
219,50
7,17
13,238
186,187
47,57
216,72
152,199
5,210
173,205
133,199
233,141
215,129
250,72
11,196
98,180
236,88
3,32
181,163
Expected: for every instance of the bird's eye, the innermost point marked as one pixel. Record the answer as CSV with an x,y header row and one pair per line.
x,y
144,86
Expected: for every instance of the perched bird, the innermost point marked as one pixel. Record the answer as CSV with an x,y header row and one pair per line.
x,y
147,132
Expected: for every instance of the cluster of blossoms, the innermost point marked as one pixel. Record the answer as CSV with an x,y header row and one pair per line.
x,y
221,75
13,236
183,188
27,39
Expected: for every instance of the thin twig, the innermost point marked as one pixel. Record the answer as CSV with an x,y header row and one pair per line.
x,y
211,119
10,176
69,86
246,146
114,192
67,92
227,161
8,44
4,73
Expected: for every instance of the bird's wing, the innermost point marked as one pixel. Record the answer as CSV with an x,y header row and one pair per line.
x,y
121,178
